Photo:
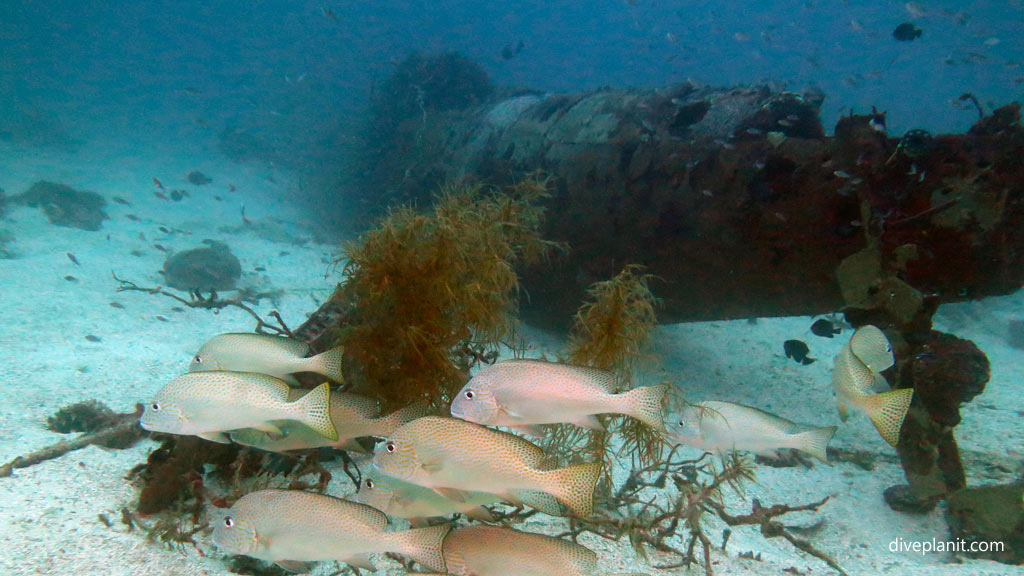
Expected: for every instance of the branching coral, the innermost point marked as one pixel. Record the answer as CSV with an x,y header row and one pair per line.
x,y
647,511
429,291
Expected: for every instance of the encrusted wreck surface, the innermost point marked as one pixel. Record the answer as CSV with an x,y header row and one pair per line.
x,y
734,199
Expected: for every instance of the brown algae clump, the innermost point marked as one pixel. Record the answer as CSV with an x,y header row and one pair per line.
x,y
613,328
611,332
429,289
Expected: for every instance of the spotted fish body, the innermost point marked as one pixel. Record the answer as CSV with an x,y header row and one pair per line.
x,y
208,404
288,526
856,376
453,456
267,354
725,426
495,551
522,393
353,416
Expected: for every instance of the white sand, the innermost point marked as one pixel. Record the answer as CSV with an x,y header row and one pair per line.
x,y
50,511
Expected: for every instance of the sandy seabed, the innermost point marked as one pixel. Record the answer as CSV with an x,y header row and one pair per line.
x,y
51,511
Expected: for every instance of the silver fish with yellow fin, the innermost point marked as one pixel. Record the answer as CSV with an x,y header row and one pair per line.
x,y
292,528
400,499
856,377
208,404
524,393
454,456
353,416
495,551
726,426
267,354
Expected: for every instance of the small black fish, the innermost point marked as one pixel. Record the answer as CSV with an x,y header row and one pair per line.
x,y
824,328
510,50
260,269
117,305
797,350
176,195
71,278
132,217
906,32
164,229
92,338
73,259
119,200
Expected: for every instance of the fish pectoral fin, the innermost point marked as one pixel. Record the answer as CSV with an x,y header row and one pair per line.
x,y
295,566
589,422
453,494
360,561
431,466
510,413
271,430
844,412
218,437
530,430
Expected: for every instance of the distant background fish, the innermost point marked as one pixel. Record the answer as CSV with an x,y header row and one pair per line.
x,y
856,377
725,426
453,456
290,528
825,328
496,551
207,404
353,417
798,351
523,393
274,355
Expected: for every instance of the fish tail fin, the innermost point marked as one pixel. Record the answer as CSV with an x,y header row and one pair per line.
x,y
327,364
574,486
646,405
314,411
542,501
398,418
887,411
815,441
423,545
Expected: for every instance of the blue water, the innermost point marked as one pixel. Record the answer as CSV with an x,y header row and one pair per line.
x,y
139,68
107,96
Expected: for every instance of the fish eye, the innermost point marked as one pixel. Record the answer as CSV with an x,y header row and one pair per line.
x,y
369,484
229,522
390,446
155,406
469,394
198,359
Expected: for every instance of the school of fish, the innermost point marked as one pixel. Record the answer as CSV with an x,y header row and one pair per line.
x,y
239,389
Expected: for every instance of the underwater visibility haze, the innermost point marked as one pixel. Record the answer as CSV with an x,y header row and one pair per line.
x,y
512,288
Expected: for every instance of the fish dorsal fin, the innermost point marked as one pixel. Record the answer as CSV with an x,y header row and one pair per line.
x,y
604,380
733,410
871,347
